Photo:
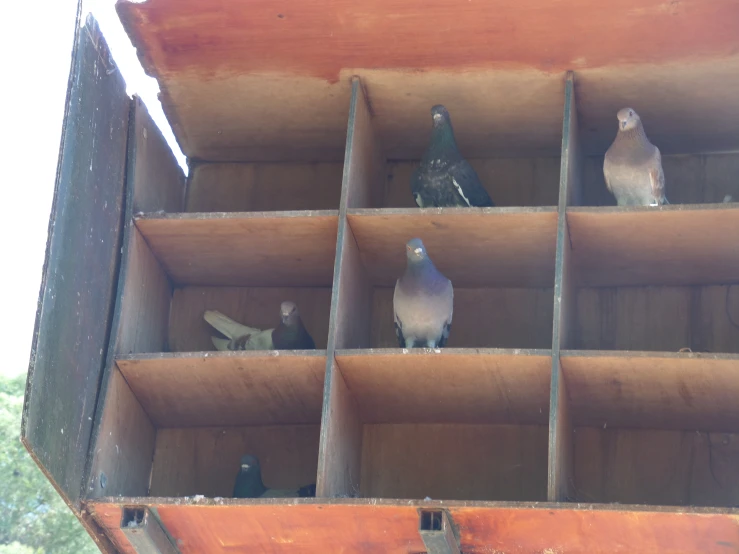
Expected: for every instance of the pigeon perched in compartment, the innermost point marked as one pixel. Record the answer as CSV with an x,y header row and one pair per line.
x,y
290,334
249,483
445,178
633,165
423,301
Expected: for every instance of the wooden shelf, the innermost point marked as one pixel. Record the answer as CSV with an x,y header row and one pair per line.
x,y
474,247
670,245
244,249
456,385
227,388
665,390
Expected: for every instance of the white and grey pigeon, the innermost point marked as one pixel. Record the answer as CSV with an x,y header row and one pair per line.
x,y
633,165
444,178
290,334
423,301
249,483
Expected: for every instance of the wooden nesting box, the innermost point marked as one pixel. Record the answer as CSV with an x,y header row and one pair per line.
x,y
563,416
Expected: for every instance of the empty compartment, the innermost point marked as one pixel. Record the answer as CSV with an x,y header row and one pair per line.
x,y
659,429
500,262
656,279
178,425
263,186
461,424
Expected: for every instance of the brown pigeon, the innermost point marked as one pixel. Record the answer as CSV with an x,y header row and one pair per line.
x,y
633,165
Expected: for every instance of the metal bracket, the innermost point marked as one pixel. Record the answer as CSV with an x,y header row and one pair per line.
x,y
437,533
146,533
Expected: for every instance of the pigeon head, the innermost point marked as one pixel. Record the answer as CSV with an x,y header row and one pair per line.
x,y
249,462
627,119
415,251
289,313
439,115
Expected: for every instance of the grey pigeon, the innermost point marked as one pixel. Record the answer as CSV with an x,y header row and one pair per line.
x,y
423,301
249,483
290,334
445,178
633,165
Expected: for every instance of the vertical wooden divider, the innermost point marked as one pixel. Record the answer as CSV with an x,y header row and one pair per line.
x,y
339,455
121,448
560,424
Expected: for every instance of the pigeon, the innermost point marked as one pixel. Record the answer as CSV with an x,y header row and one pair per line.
x,y
633,165
290,334
249,483
423,301
444,178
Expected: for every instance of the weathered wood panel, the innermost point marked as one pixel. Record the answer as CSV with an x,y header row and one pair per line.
x,y
454,462
205,460
658,318
77,291
255,187
662,467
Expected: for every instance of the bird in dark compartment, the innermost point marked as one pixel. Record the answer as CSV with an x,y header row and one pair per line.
x,y
249,483
444,178
633,166
290,334
423,301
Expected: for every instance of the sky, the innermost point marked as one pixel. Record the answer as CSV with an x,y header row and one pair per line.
x,y
36,43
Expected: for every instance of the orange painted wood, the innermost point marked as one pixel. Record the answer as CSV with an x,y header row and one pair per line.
x,y
391,527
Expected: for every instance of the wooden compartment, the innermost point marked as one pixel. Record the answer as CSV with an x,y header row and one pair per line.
x,y
654,428
659,280
460,424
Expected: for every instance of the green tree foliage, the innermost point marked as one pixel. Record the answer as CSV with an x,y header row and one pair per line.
x,y
33,518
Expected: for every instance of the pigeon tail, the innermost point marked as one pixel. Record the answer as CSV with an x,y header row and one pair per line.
x,y
227,326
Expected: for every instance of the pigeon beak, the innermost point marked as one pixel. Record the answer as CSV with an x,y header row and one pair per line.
x,y
623,125
418,251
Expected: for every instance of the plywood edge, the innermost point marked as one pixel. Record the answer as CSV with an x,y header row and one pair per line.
x,y
245,355
443,352
199,501
405,212
626,354
620,210
143,218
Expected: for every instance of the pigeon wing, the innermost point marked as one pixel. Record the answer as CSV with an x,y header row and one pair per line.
x,y
468,186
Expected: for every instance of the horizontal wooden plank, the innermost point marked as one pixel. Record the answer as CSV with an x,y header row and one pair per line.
x,y
488,247
244,249
321,526
654,390
670,245
294,63
449,385
228,388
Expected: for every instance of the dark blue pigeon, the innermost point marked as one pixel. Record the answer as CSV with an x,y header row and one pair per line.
x,y
423,301
445,179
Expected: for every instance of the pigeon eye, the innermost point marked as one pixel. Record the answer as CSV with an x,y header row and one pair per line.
x,y
631,113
